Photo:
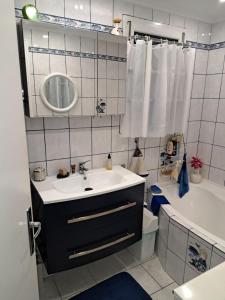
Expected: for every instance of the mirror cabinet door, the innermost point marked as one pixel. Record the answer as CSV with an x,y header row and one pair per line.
x,y
93,65
111,74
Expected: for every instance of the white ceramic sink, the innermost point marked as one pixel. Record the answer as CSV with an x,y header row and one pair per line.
x,y
99,181
94,180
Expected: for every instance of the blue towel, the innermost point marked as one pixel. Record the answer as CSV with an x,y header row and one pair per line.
x,y
183,178
119,287
155,189
157,201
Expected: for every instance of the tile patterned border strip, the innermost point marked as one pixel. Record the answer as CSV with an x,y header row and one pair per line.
x,y
217,46
71,23
199,46
75,54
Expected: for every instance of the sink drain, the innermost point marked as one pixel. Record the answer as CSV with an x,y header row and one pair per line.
x,y
88,189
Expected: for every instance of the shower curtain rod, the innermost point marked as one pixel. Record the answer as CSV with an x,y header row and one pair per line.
x,y
148,38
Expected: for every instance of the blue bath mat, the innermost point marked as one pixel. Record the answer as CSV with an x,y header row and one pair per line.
x,y
119,287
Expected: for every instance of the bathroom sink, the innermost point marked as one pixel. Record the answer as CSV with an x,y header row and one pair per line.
x,y
97,182
92,181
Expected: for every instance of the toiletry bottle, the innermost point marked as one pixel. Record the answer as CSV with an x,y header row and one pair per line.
x,y
109,162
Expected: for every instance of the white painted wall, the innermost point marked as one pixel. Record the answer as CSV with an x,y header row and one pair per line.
x,y
18,273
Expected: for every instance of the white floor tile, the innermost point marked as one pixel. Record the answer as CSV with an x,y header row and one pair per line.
x,y
105,268
73,281
127,259
144,279
154,268
166,293
48,290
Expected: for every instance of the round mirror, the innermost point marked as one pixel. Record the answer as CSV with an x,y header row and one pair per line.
x,y
58,92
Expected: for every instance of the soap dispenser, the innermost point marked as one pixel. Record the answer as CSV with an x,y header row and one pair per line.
x,y
109,162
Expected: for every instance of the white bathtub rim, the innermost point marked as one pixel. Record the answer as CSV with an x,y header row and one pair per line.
x,y
194,228
210,186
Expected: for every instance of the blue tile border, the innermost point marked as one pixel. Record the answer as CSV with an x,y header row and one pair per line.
x,y
72,23
199,46
217,46
75,54
67,22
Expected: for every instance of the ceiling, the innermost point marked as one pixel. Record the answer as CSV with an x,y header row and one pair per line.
x,y
211,11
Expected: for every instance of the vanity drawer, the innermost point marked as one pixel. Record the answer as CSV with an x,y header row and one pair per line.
x,y
90,233
63,211
106,241
127,213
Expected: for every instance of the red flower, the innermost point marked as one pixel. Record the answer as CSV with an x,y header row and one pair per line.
x,y
196,162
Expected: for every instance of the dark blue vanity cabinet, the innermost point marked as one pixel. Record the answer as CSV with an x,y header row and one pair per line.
x,y
77,232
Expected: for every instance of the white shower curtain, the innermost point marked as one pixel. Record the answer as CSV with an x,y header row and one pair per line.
x,y
158,89
135,93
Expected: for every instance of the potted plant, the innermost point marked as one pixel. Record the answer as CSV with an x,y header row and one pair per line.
x,y
196,165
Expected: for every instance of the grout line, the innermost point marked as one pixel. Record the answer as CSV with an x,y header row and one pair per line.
x,y
218,105
164,287
154,277
202,104
46,165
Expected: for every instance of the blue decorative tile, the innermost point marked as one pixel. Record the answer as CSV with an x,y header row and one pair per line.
x,y
67,22
75,54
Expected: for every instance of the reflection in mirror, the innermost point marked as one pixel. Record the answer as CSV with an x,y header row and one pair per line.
x,y
58,92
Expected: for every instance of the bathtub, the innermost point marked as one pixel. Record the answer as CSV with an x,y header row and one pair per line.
x,y
191,237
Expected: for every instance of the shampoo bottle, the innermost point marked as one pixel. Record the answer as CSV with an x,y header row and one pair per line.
x,y
109,162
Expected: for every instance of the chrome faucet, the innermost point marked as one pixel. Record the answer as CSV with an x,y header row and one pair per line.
x,y
82,169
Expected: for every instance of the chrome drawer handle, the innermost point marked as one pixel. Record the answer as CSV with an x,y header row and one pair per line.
x,y
101,214
118,241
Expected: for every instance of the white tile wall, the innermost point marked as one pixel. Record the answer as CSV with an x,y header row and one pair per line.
x,y
53,7
177,240
196,109
219,134
218,30
212,86
101,140
216,60
79,10
217,175
222,93
204,32
209,110
36,146
177,21
161,16
193,131
204,151
207,132
189,274
143,12
80,142
201,61
83,129
57,144
218,157
198,86
175,267
102,11
217,258
191,27
211,138
121,8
